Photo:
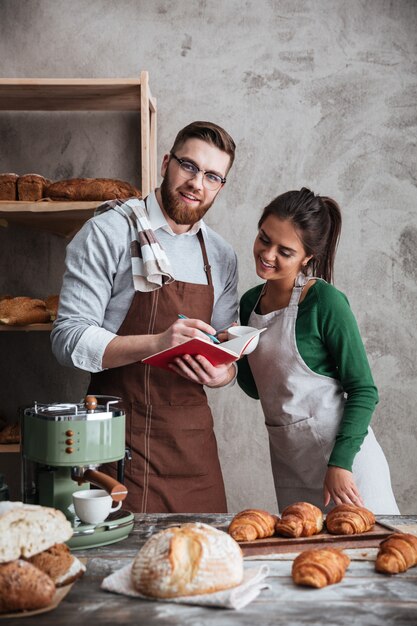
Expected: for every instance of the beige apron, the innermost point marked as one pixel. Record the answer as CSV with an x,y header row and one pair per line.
x,y
303,411
169,427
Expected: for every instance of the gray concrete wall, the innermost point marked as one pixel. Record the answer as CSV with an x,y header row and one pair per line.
x,y
319,93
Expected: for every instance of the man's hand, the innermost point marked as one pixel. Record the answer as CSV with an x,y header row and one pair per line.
x,y
198,369
182,330
340,487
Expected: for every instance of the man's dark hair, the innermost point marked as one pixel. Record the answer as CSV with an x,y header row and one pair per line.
x,y
209,132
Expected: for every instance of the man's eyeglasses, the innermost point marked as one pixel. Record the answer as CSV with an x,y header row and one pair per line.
x,y
188,170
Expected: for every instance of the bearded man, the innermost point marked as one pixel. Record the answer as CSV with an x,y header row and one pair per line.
x,y
130,271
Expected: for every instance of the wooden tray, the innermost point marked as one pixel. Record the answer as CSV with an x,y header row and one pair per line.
x,y
280,545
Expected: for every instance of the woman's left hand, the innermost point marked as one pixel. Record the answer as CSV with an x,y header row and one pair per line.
x,y
198,369
340,486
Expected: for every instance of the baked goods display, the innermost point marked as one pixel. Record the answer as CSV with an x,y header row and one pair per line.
x,y
319,567
348,519
300,519
397,553
252,524
91,189
10,434
187,560
34,561
8,187
24,587
31,187
35,188
23,310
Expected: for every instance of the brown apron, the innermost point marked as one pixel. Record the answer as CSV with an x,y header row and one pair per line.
x,y
169,427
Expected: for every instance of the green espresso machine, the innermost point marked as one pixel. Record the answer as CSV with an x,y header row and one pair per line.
x,y
62,447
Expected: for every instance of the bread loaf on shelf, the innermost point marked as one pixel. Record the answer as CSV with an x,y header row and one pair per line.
x,y
187,560
27,529
22,310
10,434
52,303
252,524
91,189
31,187
319,567
59,564
348,519
24,587
397,553
300,519
8,187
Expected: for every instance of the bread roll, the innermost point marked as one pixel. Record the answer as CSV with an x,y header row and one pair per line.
x,y
10,433
30,187
252,524
60,565
26,529
187,560
397,553
22,311
91,189
24,587
8,187
319,567
348,519
300,519
52,303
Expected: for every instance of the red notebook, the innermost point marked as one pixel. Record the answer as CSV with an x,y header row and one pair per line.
x,y
217,354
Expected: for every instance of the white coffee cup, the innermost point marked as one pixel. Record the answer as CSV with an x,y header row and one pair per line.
x,y
93,506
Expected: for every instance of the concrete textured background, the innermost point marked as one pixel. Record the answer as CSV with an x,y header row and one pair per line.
x,y
320,93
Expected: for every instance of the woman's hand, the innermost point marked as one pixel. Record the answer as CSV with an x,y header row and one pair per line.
x,y
198,369
340,487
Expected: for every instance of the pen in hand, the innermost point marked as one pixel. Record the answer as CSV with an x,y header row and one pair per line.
x,y
212,337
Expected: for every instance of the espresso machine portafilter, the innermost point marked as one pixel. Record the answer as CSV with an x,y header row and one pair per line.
x,y
64,444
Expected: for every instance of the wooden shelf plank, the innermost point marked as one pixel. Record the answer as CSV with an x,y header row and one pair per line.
x,y
60,218
70,94
9,447
29,327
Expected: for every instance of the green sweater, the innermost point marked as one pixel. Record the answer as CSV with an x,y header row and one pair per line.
x,y
329,342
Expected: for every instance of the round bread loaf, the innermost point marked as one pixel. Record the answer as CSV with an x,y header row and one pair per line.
x,y
24,587
60,565
187,560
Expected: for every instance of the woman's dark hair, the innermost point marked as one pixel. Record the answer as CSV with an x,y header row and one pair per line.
x,y
317,220
210,133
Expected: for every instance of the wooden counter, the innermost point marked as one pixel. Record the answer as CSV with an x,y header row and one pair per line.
x,y
363,598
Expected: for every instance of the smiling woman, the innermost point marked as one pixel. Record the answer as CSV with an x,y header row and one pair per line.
x,y
310,369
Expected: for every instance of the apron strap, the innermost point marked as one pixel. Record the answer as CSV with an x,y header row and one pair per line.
x,y
207,266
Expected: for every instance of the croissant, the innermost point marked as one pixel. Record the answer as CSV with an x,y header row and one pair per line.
x,y
252,524
397,553
347,519
301,519
319,567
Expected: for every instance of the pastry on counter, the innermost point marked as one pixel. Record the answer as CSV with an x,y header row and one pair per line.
x,y
22,311
397,553
300,519
319,567
52,303
31,187
59,564
24,587
10,434
187,560
348,519
90,189
252,524
8,187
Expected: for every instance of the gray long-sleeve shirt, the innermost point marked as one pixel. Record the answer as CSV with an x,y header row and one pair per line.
x,y
98,287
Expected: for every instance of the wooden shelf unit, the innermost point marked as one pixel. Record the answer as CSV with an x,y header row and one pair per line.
x,y
79,94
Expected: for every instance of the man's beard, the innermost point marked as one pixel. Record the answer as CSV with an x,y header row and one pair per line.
x,y
176,208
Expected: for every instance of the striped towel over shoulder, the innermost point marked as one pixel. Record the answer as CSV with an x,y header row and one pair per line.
x,y
150,266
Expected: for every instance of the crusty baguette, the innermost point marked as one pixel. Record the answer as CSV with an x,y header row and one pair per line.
x,y
91,189
300,519
187,560
22,310
252,524
26,529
